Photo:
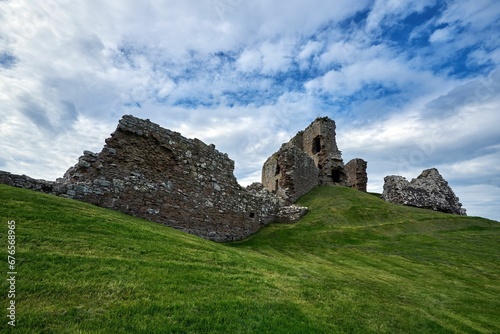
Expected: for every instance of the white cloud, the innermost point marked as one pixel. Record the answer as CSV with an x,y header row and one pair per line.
x,y
428,129
441,35
338,53
484,168
457,29
478,14
276,57
391,72
269,19
310,49
483,57
249,61
268,58
392,10
165,88
49,155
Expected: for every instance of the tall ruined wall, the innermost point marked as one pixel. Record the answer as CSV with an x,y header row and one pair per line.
x,y
318,141
290,173
356,176
154,173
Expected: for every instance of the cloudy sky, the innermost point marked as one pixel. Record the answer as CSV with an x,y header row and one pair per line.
x,y
410,84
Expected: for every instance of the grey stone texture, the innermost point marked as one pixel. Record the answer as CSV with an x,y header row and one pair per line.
x,y
429,191
290,213
23,181
309,159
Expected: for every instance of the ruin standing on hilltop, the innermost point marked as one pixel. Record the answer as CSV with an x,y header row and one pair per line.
x,y
309,159
150,172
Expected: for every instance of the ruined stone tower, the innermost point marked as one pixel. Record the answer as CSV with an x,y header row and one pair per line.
x,y
309,159
318,142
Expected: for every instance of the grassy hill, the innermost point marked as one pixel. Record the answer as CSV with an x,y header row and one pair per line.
x,y
354,264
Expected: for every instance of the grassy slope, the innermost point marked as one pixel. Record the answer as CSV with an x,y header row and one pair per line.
x,y
353,264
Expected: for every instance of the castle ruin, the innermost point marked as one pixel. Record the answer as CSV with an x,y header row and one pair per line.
x,y
150,172
309,159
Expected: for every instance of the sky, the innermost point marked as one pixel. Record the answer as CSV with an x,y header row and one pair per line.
x,y
411,85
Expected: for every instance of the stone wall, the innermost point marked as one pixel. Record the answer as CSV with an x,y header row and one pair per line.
x,y
157,174
24,181
154,173
290,173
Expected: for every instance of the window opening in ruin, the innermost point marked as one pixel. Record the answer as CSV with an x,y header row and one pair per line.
x,y
278,169
316,145
336,175
252,215
276,185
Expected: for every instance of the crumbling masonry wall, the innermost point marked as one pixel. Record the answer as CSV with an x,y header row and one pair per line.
x,y
429,191
356,176
319,143
154,173
290,173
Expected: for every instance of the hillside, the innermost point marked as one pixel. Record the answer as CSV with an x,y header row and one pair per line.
x,y
353,264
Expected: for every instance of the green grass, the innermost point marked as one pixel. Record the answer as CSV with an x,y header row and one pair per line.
x,y
353,264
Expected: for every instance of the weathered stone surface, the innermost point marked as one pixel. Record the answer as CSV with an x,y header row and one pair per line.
x,y
318,142
356,176
291,213
309,159
157,174
256,187
290,173
23,181
429,191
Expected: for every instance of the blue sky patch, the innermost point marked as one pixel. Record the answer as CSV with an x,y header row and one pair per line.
x,y
7,60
